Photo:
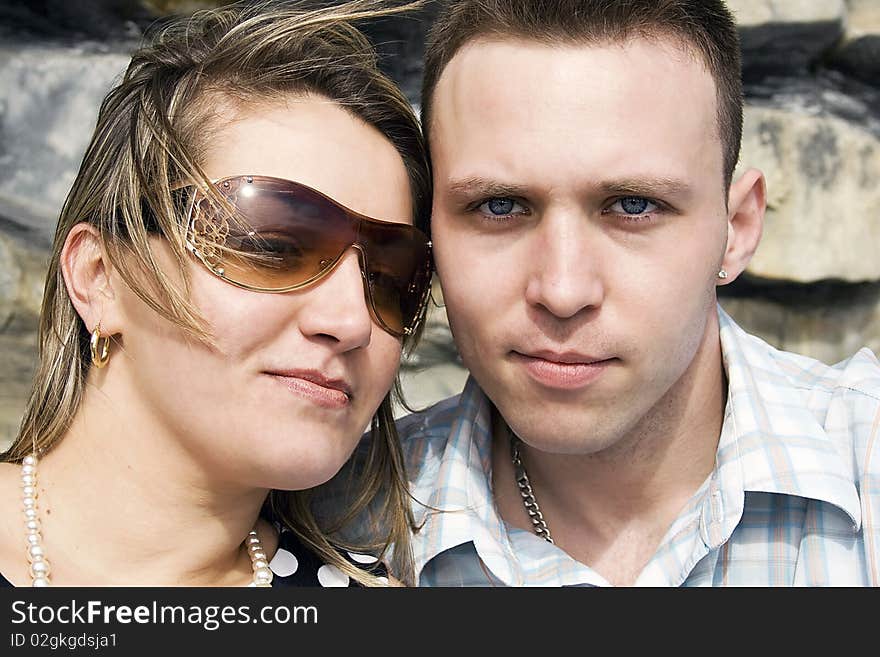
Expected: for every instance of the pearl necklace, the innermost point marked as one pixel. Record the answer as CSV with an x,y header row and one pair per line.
x,y
39,564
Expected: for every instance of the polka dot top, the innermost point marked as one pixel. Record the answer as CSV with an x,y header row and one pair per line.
x,y
296,565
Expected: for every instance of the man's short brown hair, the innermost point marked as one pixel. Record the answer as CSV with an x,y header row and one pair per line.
x,y
706,27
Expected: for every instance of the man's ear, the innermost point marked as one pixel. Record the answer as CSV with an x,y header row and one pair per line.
x,y
86,270
746,203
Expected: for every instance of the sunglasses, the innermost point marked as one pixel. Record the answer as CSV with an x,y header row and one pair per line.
x,y
276,235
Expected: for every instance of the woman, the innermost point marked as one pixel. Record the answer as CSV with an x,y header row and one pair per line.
x,y
223,316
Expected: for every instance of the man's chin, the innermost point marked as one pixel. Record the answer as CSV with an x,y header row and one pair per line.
x,y
558,432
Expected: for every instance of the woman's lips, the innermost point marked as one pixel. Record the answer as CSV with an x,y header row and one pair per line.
x,y
316,388
562,371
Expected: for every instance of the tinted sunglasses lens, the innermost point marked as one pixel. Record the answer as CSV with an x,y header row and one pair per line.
x,y
273,234
397,271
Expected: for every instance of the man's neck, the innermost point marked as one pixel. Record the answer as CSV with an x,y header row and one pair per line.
x,y
611,509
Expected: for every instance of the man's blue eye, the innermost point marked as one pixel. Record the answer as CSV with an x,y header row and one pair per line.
x,y
501,209
634,204
500,206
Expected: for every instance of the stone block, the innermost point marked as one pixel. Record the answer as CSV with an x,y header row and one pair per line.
x,y
786,34
823,182
858,53
826,332
49,98
22,275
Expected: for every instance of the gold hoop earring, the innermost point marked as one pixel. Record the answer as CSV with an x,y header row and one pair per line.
x,y
100,347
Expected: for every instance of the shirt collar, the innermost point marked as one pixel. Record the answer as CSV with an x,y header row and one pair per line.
x,y
460,507
771,435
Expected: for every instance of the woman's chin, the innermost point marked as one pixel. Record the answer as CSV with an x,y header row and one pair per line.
x,y
301,470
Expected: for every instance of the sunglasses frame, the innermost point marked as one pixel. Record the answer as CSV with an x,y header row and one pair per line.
x,y
328,268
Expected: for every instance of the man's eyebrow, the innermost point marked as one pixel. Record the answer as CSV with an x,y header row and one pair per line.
x,y
650,187
477,186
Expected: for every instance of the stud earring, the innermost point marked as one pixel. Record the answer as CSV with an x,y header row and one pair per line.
x,y
722,274
100,347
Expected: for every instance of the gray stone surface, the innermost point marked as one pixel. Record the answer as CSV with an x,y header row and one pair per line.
x,y
22,272
787,34
828,333
752,13
862,19
102,20
49,98
858,53
823,180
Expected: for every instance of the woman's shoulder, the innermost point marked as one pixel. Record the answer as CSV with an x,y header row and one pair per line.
x,y
295,564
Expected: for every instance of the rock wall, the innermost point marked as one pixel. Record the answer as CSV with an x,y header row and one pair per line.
x,y
812,123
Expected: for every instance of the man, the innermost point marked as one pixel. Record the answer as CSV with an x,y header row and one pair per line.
x,y
618,427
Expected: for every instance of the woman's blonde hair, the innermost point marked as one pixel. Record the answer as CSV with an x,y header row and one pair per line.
x,y
154,130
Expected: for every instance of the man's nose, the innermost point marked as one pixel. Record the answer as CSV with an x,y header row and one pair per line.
x,y
565,273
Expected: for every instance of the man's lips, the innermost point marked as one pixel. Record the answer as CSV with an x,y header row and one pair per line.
x,y
315,386
562,370
564,357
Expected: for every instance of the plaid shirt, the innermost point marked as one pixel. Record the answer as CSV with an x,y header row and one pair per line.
x,y
794,499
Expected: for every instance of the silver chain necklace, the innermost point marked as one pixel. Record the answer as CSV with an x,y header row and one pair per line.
x,y
528,495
